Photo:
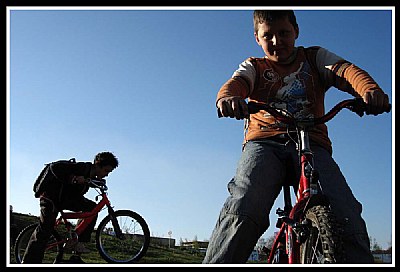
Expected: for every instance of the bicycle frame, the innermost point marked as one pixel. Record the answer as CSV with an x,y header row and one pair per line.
x,y
87,218
289,233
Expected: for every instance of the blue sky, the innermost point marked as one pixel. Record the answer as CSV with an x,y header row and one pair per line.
x,y
142,84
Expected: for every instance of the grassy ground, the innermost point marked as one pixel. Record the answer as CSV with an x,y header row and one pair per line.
x,y
154,255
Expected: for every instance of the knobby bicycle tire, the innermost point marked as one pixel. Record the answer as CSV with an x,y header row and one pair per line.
x,y
133,244
52,254
324,243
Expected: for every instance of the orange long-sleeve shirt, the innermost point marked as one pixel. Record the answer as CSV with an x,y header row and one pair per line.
x,y
298,87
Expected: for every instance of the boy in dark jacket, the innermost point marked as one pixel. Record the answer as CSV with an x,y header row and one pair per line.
x,y
66,184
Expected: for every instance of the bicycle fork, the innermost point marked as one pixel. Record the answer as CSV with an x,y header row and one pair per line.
x,y
114,221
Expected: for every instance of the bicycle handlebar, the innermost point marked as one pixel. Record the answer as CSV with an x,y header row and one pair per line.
x,y
356,105
100,184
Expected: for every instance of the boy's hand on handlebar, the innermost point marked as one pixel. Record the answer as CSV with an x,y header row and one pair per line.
x,y
376,102
233,107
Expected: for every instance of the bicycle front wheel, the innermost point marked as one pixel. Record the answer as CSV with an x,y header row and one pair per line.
x,y
53,252
133,243
324,244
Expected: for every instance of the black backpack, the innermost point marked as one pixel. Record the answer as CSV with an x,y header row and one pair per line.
x,y
45,177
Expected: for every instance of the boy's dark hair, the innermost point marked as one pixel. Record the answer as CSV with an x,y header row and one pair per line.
x,y
261,16
106,158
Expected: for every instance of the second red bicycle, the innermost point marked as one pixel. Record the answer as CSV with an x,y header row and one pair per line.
x,y
123,236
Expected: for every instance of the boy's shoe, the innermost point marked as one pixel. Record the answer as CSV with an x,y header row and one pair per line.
x,y
80,248
75,259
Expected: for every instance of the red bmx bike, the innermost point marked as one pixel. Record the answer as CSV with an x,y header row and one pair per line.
x,y
123,236
308,230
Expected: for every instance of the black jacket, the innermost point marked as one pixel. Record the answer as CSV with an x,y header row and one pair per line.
x,y
63,174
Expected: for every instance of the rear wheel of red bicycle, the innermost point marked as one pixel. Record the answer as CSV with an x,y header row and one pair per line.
x,y
131,246
53,252
324,244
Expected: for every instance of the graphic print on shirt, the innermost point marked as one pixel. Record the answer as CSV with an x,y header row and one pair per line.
x,y
270,75
291,97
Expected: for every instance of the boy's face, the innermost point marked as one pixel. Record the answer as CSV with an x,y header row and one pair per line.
x,y
277,39
103,171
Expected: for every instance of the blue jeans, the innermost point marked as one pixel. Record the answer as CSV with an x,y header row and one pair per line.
x,y
263,167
